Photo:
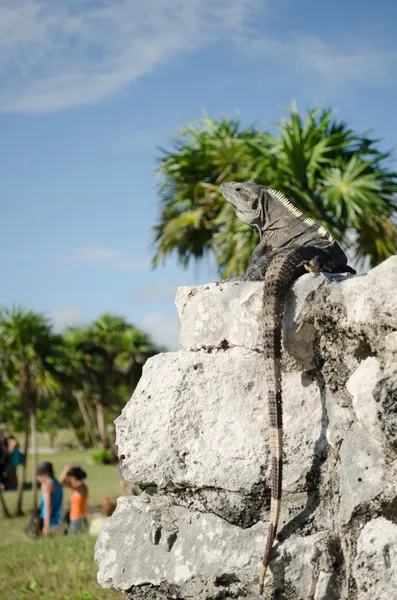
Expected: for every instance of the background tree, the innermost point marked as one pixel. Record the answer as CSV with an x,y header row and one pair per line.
x,y
118,351
27,353
98,366
75,372
327,170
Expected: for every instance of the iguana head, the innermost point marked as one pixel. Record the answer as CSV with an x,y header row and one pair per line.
x,y
246,201
270,213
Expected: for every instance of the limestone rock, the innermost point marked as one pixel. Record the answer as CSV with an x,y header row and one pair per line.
x,y
196,419
196,429
339,419
361,470
299,332
385,395
371,298
209,411
391,342
310,576
375,565
184,545
221,314
361,386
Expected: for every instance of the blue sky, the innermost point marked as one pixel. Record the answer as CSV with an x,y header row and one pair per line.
x,y
90,88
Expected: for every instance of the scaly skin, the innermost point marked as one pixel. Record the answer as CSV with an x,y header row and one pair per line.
x,y
290,245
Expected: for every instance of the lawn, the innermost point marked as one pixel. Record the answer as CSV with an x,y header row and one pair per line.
x,y
60,568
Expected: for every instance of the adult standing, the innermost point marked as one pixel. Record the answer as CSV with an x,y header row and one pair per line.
x,y
15,458
3,456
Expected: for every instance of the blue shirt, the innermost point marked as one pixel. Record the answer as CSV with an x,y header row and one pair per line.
x,y
56,503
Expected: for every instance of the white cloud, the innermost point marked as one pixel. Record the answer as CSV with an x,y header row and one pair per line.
x,y
64,317
108,257
64,53
343,62
162,327
59,54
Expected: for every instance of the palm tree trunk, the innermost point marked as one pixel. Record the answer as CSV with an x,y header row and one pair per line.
x,y
91,417
72,428
100,412
33,430
21,481
87,438
86,417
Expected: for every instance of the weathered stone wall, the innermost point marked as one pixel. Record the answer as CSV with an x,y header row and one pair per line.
x,y
195,430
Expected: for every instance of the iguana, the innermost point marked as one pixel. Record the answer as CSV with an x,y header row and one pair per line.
x,y
290,244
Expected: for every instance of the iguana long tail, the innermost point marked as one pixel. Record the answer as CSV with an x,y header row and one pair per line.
x,y
283,269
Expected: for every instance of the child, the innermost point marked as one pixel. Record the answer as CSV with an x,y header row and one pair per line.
x,y
73,477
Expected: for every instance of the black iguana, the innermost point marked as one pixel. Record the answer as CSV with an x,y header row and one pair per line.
x,y
290,244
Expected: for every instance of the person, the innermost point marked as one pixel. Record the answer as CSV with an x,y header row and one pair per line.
x,y
50,500
15,458
73,476
108,506
3,457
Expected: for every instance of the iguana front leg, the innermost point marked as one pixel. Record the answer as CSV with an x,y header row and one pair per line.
x,y
319,264
314,260
263,249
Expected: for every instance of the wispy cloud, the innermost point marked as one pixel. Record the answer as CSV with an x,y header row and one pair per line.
x,y
59,54
345,61
107,257
55,55
65,317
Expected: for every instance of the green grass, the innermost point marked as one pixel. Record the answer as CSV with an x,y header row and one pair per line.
x,y
59,568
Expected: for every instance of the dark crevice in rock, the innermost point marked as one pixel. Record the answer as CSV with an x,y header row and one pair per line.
x,y
155,535
236,508
226,579
363,349
385,394
389,510
147,591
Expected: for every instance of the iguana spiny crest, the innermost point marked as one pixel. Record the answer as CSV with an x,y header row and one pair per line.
x,y
272,215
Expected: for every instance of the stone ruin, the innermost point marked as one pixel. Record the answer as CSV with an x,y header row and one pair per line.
x,y
194,436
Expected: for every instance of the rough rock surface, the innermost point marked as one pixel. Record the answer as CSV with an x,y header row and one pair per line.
x,y
196,431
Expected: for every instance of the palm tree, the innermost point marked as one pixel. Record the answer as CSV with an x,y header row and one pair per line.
x,y
74,368
96,361
27,353
135,348
327,170
118,352
340,179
